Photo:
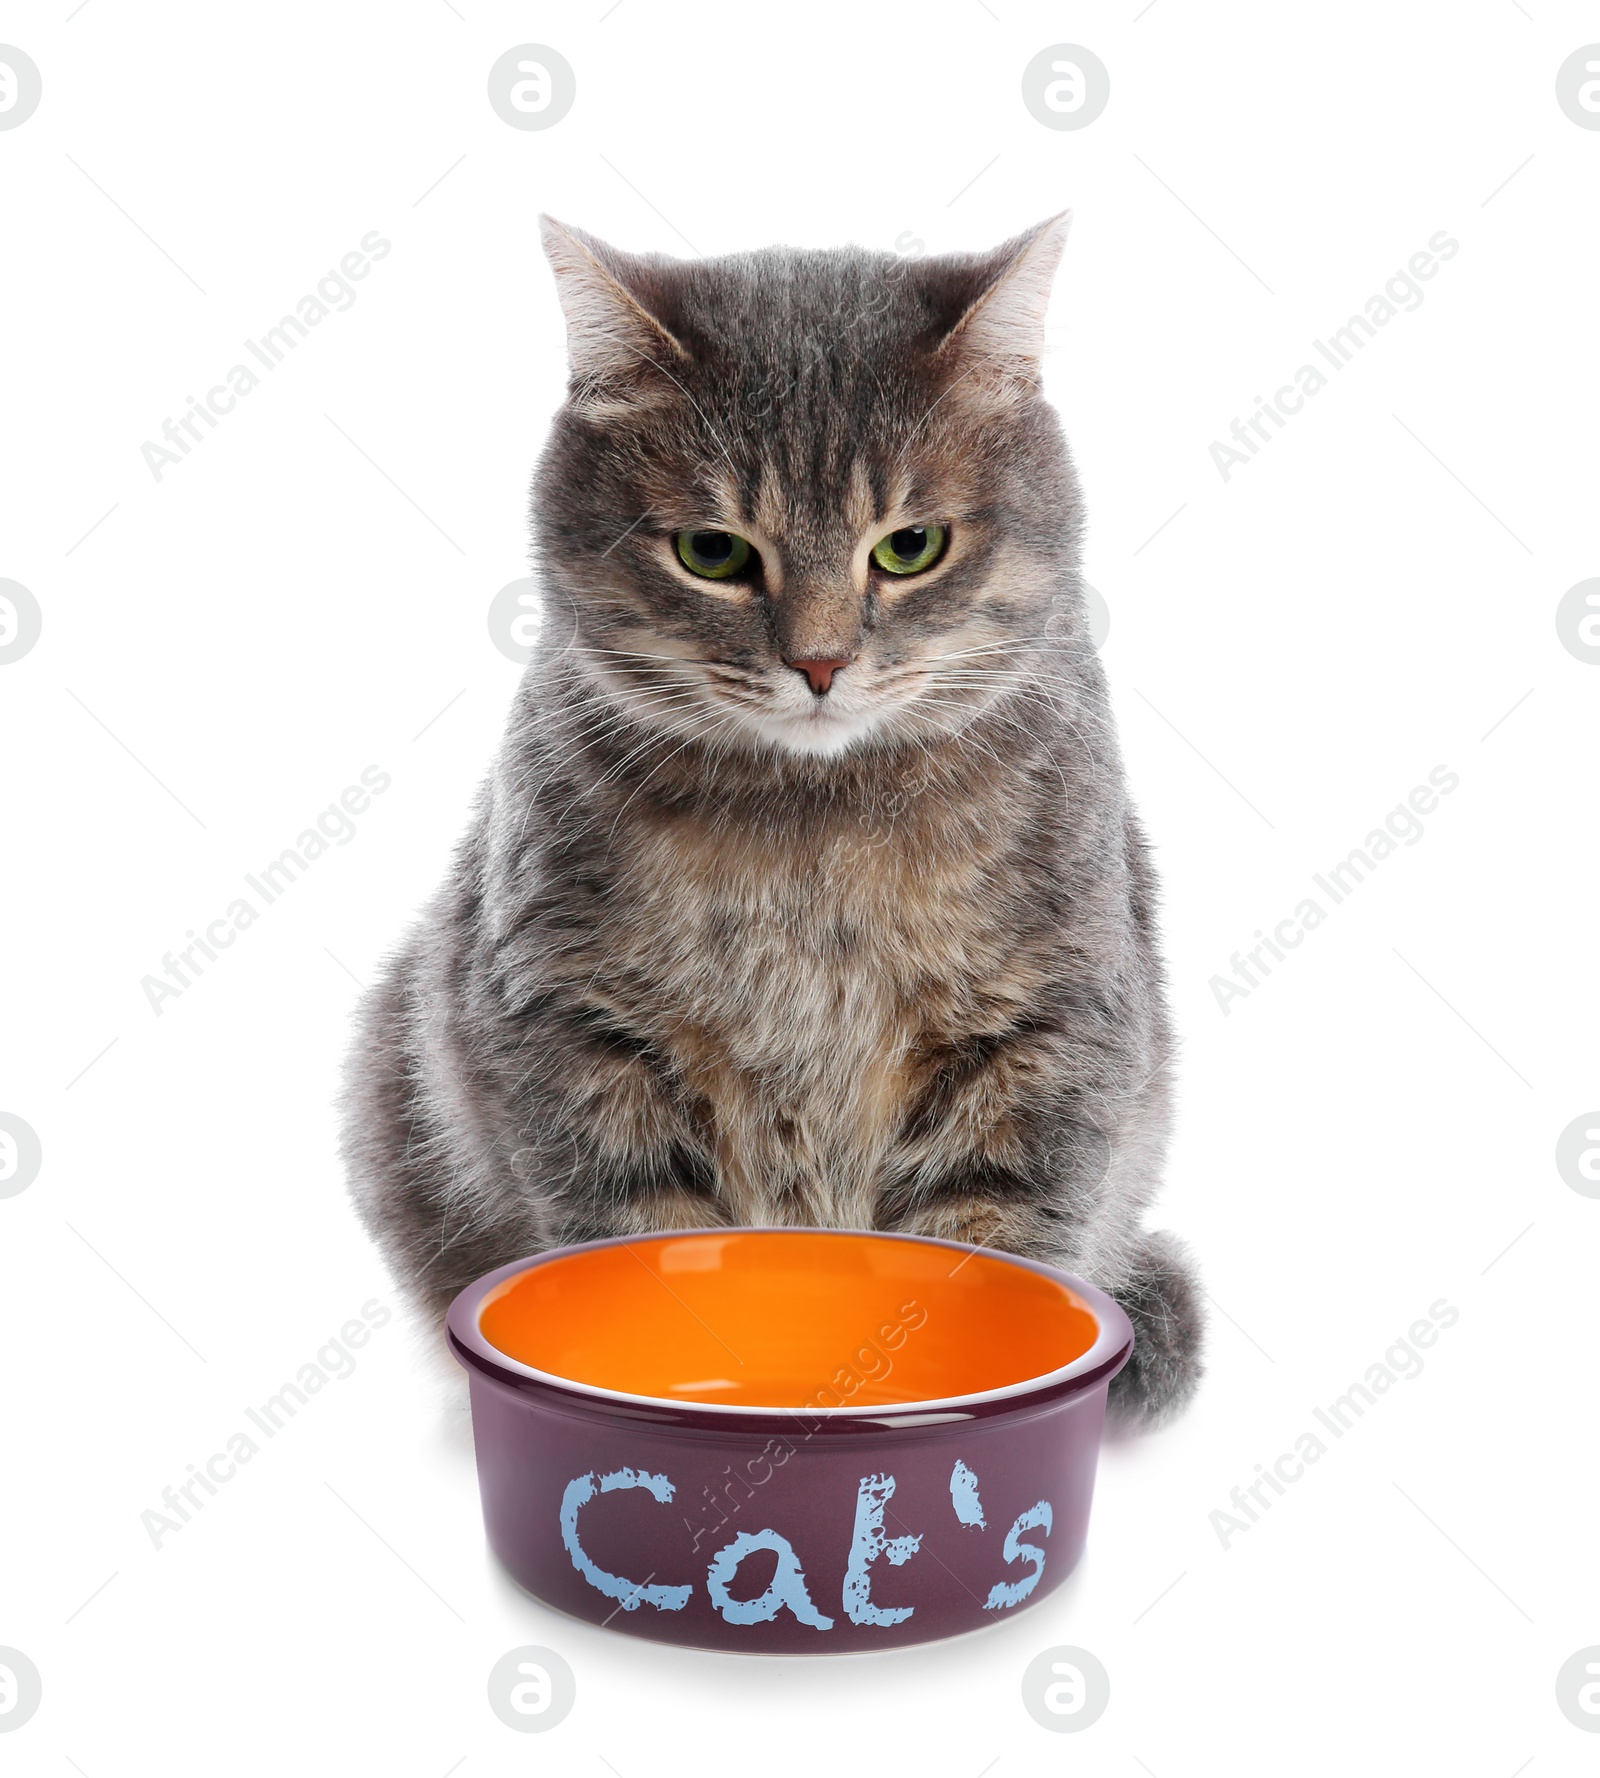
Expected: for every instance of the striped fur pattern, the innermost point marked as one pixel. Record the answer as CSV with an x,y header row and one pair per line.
x,y
717,949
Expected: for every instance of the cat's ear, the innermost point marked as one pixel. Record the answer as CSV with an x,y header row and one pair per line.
x,y
619,346
997,303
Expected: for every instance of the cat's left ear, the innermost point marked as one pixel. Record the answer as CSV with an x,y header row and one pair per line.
x,y
619,345
1001,299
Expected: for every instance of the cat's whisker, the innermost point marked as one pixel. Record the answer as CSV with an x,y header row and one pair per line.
x,y
665,697
571,730
983,648
716,722
713,720
635,654
616,684
651,740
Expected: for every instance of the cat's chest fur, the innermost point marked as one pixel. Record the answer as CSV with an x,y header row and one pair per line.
x,y
802,984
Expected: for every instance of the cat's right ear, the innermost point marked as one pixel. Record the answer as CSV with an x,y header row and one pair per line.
x,y
997,335
620,350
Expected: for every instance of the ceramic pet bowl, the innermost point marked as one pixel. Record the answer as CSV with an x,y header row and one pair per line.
x,y
787,1440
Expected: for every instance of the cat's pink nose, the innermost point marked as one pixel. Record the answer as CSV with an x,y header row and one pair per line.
x,y
819,673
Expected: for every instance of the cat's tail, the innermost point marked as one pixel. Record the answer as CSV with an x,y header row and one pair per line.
x,y
1158,1288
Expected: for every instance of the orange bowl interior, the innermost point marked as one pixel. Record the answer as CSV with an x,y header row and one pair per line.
x,y
781,1318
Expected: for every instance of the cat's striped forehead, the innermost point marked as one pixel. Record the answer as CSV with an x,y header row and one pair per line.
x,y
798,398
775,498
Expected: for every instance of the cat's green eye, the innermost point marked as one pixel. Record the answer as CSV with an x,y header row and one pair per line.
x,y
713,555
910,550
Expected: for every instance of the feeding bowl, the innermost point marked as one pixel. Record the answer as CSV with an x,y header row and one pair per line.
x,y
787,1441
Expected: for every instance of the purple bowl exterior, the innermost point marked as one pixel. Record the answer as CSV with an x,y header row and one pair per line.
x,y
686,1480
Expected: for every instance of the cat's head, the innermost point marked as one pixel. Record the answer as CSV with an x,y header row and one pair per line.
x,y
803,500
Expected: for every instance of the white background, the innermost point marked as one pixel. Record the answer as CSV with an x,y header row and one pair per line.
x,y
227,648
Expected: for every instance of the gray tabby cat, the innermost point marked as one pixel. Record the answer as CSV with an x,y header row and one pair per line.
x,y
806,889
